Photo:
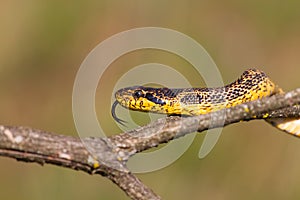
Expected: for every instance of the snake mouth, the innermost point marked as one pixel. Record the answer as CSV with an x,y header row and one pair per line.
x,y
136,98
123,97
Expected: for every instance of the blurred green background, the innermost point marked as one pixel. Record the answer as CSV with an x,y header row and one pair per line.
x,y
43,44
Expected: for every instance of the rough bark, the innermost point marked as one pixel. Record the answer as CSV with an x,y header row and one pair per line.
x,y
108,156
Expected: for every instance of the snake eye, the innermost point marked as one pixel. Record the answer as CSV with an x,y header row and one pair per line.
x,y
137,94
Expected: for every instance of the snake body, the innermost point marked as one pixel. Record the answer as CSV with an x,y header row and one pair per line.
x,y
253,84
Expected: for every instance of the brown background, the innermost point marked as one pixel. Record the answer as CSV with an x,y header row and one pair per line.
x,y
44,42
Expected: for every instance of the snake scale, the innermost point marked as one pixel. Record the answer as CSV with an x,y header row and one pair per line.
x,y
253,84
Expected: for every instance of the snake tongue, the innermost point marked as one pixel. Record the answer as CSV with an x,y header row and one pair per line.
x,y
113,113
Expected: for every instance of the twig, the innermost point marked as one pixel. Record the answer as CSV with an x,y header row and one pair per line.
x,y
31,145
108,156
166,129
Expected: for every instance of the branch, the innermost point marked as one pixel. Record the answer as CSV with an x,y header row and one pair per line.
x,y
108,156
165,129
31,145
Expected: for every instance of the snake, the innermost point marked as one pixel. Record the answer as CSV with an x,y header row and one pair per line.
x,y
253,84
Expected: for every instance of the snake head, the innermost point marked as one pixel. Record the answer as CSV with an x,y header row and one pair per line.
x,y
141,98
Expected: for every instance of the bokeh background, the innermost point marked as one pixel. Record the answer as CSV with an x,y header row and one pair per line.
x,y
43,43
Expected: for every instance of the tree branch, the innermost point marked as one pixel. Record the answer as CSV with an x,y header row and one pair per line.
x,y
108,156
165,129
31,145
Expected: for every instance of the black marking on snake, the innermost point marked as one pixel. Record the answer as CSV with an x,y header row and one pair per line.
x,y
154,99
